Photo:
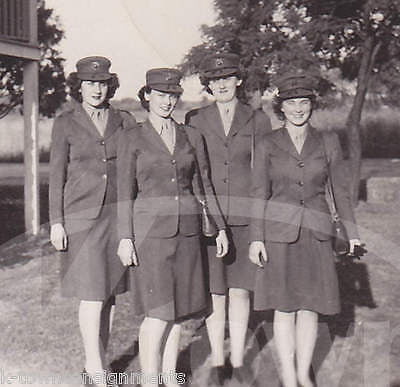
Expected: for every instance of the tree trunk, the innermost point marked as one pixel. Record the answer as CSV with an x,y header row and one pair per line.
x,y
370,50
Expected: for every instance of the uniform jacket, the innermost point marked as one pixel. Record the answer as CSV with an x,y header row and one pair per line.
x,y
230,156
158,191
288,189
83,163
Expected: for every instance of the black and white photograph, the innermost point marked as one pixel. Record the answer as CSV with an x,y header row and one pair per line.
x,y
200,193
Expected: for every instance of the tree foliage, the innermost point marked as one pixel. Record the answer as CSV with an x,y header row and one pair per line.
x,y
360,38
51,72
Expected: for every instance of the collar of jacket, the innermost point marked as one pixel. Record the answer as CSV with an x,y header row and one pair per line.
x,y
81,117
241,119
281,139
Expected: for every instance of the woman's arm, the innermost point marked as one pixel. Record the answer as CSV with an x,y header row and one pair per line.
x,y
341,184
259,191
202,182
59,153
126,181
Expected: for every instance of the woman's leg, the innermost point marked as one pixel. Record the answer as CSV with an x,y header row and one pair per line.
x,y
285,343
216,330
170,355
150,336
106,320
89,324
239,310
306,337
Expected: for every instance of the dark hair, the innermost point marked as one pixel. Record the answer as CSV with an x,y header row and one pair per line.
x,y
147,90
74,84
277,106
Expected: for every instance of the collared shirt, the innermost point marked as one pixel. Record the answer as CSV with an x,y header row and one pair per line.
x,y
227,112
98,116
166,130
298,138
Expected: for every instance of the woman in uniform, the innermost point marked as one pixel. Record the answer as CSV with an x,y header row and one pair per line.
x,y
291,227
83,195
162,174
231,130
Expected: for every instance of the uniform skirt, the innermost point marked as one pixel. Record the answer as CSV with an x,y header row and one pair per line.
x,y
298,275
90,268
235,270
168,283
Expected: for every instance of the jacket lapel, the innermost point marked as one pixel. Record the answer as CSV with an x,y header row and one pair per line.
x,y
82,119
240,120
154,138
284,142
311,142
214,122
113,122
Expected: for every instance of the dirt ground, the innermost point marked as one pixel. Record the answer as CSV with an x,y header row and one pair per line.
x,y
40,340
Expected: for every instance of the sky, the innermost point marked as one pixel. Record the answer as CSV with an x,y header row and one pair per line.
x,y
135,35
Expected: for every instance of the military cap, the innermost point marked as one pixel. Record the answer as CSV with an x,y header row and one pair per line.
x,y
94,68
220,65
164,79
296,86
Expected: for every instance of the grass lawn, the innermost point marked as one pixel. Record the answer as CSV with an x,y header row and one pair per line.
x,y
361,347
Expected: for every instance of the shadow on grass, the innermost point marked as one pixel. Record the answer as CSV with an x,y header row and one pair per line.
x,y
121,364
355,291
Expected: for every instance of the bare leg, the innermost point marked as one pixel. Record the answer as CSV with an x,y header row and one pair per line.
x,y
106,320
239,310
89,324
170,355
284,336
150,336
306,337
216,330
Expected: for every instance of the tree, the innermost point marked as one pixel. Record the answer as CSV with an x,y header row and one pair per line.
x,y
358,37
51,72
361,38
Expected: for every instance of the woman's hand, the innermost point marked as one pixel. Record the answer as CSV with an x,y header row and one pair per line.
x,y
257,253
357,248
127,252
58,237
222,244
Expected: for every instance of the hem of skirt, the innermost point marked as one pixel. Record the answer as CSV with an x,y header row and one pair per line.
x,y
92,298
330,312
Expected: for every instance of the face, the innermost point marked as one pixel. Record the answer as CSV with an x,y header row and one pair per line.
x,y
224,89
297,111
161,103
94,92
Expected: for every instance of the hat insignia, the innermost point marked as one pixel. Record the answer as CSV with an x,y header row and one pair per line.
x,y
95,65
219,62
169,77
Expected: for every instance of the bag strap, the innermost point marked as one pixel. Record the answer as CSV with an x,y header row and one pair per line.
x,y
329,187
253,138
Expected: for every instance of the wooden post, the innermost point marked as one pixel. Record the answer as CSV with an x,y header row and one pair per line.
x,y
31,153
31,140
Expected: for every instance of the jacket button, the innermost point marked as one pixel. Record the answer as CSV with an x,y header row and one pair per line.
x,y
102,142
104,160
300,183
226,180
104,176
300,164
226,162
173,162
302,202
173,179
176,197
